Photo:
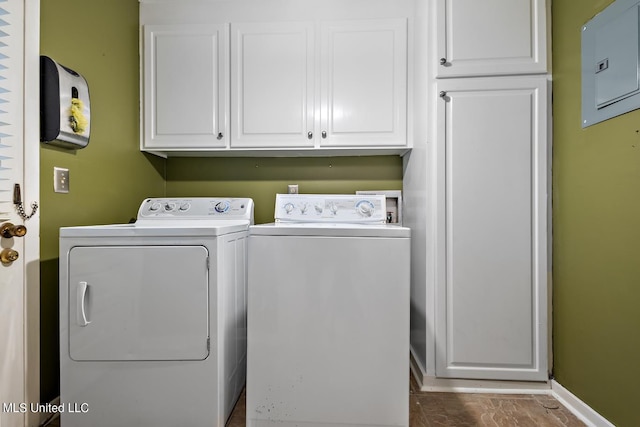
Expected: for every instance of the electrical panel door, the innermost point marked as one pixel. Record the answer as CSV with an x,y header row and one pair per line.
x,y
611,63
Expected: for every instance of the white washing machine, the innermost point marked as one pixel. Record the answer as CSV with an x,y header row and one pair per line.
x,y
153,316
328,315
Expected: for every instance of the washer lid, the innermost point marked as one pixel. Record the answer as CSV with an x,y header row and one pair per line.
x,y
329,230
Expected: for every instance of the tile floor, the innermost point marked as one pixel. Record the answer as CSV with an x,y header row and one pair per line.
x,y
464,410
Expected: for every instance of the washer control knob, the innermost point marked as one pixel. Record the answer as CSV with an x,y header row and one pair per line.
x,y
185,206
168,207
303,208
365,208
154,206
319,208
333,208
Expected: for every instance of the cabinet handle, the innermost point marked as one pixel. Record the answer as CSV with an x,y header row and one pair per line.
x,y
220,136
443,61
443,94
309,135
324,134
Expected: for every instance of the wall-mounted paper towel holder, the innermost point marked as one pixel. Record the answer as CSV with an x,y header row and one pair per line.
x,y
65,111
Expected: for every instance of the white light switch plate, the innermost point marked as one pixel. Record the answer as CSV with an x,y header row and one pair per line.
x,y
60,180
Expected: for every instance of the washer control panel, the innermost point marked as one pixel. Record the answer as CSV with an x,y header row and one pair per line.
x,y
196,208
336,208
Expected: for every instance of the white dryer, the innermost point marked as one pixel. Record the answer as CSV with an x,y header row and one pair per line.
x,y
328,315
153,316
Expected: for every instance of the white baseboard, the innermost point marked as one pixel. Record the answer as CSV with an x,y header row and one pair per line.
x,y
580,409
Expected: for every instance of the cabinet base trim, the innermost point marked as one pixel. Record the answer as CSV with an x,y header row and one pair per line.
x,y
328,152
431,383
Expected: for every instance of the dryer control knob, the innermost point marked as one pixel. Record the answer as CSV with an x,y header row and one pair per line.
x,y
222,207
288,208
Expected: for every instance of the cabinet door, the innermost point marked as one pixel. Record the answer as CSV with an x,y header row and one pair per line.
x,y
364,83
272,73
185,86
491,320
490,37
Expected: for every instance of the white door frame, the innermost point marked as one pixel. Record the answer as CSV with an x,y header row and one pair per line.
x,y
32,193
20,363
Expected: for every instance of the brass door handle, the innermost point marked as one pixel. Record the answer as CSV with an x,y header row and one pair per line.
x,y
7,256
8,230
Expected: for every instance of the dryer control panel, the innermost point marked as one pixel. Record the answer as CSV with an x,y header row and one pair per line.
x,y
331,208
196,208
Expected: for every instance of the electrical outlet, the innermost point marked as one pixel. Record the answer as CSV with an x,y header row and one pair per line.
x,y
60,180
293,188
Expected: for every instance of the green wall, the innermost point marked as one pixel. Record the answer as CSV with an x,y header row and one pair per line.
x,y
108,178
596,240
262,178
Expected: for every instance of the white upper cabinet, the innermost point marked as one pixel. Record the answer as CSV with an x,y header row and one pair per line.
x,y
185,86
276,78
490,37
272,92
351,92
363,83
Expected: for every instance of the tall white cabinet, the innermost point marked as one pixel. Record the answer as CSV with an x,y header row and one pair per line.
x,y
476,196
492,229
